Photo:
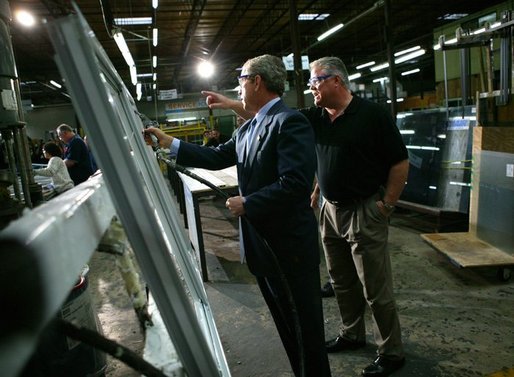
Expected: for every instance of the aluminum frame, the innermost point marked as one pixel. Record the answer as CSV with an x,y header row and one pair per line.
x,y
140,195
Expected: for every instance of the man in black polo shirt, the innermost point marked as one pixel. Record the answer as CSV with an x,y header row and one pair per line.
x,y
362,169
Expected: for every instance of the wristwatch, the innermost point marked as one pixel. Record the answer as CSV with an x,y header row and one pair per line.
x,y
388,207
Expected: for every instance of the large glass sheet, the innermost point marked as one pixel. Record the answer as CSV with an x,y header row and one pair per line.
x,y
495,220
142,200
439,145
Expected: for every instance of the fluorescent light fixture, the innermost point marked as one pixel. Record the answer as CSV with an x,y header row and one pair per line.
x,y
330,32
448,42
124,21
155,77
25,18
412,71
379,67
306,91
406,51
312,16
432,187
381,79
139,91
122,45
397,100
368,64
133,74
154,86
155,4
181,119
463,184
354,76
155,32
56,84
154,61
142,75
410,56
407,132
403,115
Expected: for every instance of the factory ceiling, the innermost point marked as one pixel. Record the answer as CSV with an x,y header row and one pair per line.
x,y
227,33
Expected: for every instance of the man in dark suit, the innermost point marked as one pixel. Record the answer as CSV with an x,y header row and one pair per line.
x,y
276,161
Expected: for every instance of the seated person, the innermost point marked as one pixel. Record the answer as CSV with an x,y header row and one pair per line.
x,y
56,168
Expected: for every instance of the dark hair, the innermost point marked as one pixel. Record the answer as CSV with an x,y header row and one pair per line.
x,y
52,149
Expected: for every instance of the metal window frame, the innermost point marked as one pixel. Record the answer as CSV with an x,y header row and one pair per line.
x,y
140,195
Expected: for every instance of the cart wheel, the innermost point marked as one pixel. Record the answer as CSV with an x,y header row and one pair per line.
x,y
504,274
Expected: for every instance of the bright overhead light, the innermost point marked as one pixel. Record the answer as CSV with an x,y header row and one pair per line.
x,y
205,69
354,76
406,51
56,84
125,21
330,32
154,61
155,77
381,79
25,18
133,74
122,45
312,16
154,36
139,91
368,64
412,71
155,4
410,56
379,67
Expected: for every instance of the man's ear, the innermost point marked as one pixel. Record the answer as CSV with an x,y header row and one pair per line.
x,y
258,82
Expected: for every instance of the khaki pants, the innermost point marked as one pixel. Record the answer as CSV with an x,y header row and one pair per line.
x,y
355,244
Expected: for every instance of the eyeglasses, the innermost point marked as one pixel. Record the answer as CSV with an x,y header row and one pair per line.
x,y
316,80
241,79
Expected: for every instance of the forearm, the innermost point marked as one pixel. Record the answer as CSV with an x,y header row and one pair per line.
x,y
396,182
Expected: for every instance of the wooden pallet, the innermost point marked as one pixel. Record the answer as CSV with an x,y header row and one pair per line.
x,y
466,250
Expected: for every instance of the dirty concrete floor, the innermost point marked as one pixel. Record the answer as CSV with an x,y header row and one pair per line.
x,y
455,322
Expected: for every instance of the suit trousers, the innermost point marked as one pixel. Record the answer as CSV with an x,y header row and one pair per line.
x,y
355,243
307,299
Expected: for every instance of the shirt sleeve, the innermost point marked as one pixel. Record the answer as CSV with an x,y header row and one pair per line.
x,y
174,147
49,171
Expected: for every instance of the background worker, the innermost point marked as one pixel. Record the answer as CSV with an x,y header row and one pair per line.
x,y
76,154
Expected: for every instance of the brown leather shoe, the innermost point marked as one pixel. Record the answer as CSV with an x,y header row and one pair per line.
x,y
341,344
382,367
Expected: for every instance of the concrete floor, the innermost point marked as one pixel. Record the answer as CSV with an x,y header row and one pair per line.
x,y
455,322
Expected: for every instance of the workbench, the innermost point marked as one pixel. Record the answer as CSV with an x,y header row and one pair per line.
x,y
226,180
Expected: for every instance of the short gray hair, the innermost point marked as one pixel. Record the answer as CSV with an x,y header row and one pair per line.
x,y
332,66
271,69
64,127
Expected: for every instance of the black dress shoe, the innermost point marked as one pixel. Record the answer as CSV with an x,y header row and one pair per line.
x,y
341,344
327,290
382,367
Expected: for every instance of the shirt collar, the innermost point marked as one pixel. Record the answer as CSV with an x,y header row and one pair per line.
x,y
264,110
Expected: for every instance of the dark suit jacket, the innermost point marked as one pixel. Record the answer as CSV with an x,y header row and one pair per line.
x,y
276,180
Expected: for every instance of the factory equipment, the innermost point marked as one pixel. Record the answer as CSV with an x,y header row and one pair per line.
x,y
13,137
